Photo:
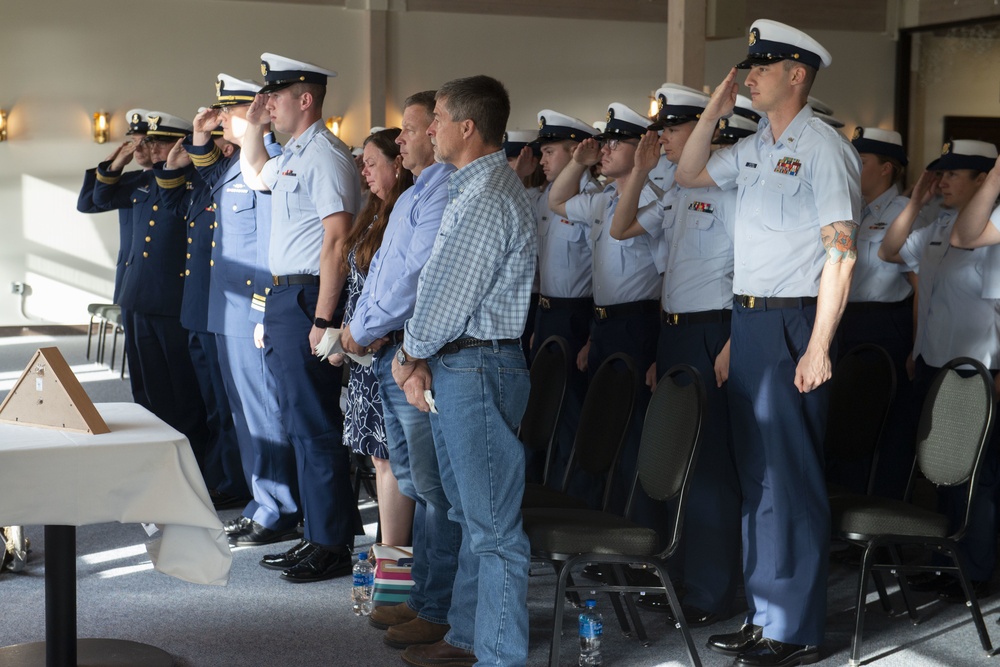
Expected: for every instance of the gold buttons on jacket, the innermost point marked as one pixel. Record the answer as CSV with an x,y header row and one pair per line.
x,y
145,254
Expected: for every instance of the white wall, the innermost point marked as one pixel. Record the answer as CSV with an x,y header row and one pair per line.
x,y
65,59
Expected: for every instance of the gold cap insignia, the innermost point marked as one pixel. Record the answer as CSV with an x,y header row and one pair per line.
x,y
611,114
858,133
946,148
263,69
723,123
218,88
541,123
660,103
154,123
754,35
136,118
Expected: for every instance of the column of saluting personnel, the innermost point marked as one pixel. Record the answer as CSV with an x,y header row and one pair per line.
x,y
744,236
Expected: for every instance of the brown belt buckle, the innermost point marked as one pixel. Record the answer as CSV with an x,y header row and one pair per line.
x,y
601,312
544,303
672,319
275,280
748,301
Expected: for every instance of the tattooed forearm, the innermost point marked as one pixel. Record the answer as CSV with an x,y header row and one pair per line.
x,y
840,240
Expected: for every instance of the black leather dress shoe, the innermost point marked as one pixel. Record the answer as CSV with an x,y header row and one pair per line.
x,y
772,653
289,558
240,524
953,592
257,535
320,565
696,618
737,642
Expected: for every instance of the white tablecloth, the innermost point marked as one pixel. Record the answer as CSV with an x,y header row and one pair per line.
x,y
141,472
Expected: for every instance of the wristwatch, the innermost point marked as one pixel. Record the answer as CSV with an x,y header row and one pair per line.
x,y
322,324
401,357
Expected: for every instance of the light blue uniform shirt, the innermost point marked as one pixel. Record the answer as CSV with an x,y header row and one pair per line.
x,y
789,188
699,250
314,177
624,271
477,281
390,290
565,259
991,272
953,319
875,279
662,175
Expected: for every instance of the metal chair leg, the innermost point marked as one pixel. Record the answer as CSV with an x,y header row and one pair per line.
x,y
866,566
560,609
681,622
973,603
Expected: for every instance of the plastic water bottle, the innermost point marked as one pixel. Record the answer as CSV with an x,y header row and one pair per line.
x,y
364,586
591,629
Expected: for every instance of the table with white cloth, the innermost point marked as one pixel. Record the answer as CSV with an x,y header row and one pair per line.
x,y
143,471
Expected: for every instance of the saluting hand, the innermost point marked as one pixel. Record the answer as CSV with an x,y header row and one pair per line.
x,y
724,98
258,114
925,187
178,157
206,120
123,155
588,153
524,164
647,153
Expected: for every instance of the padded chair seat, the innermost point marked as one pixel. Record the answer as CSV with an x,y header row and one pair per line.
x,y
573,531
539,495
871,515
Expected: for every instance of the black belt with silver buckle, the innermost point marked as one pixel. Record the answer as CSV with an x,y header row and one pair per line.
x,y
772,302
465,343
561,303
623,309
703,317
395,337
870,306
296,279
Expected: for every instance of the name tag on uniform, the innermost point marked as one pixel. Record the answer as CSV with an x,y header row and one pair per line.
x,y
752,165
934,243
668,207
788,166
701,207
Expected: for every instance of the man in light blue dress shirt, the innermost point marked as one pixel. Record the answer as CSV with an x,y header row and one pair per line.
x,y
386,302
462,345
797,213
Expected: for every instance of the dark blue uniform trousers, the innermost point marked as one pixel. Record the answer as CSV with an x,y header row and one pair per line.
x,y
309,401
132,359
223,470
778,448
265,452
572,322
168,376
708,557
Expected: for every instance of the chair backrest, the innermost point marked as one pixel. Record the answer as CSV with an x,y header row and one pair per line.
x,y
604,419
955,426
671,434
862,389
549,374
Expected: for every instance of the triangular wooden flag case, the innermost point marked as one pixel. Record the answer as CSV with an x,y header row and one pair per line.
x,y
48,395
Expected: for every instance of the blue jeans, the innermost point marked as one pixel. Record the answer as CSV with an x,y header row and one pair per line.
x,y
480,395
413,458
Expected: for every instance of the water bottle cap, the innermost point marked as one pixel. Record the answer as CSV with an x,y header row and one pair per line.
x,y
591,603
362,556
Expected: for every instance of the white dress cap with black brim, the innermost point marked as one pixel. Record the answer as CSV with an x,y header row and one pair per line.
x,y
965,154
734,128
877,141
771,42
280,72
554,126
828,119
623,123
514,142
137,123
166,127
230,91
677,105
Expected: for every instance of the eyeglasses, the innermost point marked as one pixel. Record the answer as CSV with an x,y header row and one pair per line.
x,y
612,144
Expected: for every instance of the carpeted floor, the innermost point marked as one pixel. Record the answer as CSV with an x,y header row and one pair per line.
x,y
260,621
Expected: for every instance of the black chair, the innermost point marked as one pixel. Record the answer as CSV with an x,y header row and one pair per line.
x,y
861,391
604,420
549,374
571,537
952,435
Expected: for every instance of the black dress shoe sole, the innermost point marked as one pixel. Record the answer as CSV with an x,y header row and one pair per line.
x,y
332,573
801,657
243,540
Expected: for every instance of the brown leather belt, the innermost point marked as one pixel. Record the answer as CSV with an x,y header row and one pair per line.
x,y
465,343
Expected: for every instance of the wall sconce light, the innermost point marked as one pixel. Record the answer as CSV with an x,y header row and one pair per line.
x,y
333,124
102,127
3,125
